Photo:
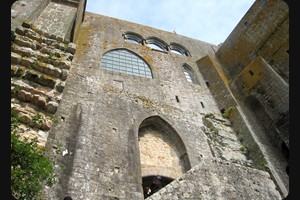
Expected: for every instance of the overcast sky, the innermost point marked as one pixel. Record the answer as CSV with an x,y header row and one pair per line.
x,y
207,20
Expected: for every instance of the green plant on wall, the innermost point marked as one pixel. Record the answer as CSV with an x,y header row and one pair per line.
x,y
54,119
244,148
227,112
37,119
30,168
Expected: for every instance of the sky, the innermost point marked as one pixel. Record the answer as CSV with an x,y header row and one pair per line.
x,y
207,20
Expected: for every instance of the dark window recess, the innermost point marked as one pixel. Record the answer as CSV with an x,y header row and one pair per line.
x,y
207,83
285,150
251,72
222,110
202,104
177,98
287,51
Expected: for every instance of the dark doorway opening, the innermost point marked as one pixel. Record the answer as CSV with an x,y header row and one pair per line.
x,y
148,180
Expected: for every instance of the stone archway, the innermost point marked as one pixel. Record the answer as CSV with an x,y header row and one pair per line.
x,y
162,151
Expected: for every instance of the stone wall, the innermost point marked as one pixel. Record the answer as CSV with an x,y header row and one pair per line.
x,y
40,65
79,18
217,82
264,31
104,111
97,124
272,92
264,98
24,10
158,154
225,180
57,19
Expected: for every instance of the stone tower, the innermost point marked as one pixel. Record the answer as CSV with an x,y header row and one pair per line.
x,y
135,102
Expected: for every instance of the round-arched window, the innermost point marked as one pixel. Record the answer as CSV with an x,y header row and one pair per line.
x,y
127,62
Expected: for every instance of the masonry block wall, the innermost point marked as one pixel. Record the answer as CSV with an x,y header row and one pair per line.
x,y
255,59
226,183
39,68
114,127
57,19
217,82
218,85
107,115
105,142
23,10
262,31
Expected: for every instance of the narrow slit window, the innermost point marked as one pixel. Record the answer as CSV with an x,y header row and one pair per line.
x,y
202,104
207,83
251,72
177,98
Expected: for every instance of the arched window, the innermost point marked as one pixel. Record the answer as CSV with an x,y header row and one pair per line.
x,y
157,44
126,62
179,49
133,38
188,74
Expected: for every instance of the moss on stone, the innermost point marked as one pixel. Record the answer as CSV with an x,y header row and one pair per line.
x,y
47,81
21,71
228,112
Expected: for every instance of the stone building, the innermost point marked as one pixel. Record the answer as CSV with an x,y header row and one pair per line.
x,y
117,103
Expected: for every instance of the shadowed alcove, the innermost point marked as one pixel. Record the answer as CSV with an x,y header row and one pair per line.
x,y
162,151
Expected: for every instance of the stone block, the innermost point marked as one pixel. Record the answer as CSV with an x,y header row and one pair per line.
x,y
39,101
21,71
47,81
21,42
15,58
24,95
71,48
20,30
52,107
27,62
53,71
64,74
13,70
63,63
32,75
60,87
26,24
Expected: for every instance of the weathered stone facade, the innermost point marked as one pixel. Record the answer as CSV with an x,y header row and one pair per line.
x,y
39,68
201,134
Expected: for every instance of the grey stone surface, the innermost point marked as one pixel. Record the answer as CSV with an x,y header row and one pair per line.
x,y
108,118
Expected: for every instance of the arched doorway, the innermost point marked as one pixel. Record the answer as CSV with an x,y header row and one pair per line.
x,y
162,151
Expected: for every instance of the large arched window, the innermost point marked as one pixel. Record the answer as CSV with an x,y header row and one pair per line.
x,y
127,62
